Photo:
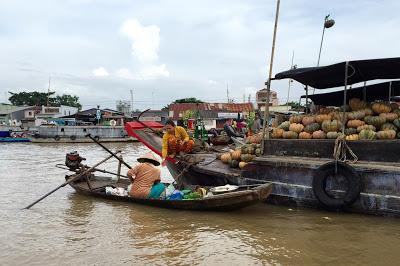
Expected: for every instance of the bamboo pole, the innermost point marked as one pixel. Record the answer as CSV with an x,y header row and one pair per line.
x,y
268,83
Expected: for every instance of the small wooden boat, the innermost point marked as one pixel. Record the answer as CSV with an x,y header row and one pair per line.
x,y
243,197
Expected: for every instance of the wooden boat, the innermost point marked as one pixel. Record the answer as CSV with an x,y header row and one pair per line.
x,y
243,197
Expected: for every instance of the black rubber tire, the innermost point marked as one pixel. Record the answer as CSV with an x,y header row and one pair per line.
x,y
73,137
97,138
319,182
57,137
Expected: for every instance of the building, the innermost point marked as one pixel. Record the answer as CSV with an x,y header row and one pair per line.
x,y
124,107
261,99
152,115
12,115
89,116
214,115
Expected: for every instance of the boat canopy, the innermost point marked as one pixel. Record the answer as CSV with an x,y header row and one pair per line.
x,y
380,91
334,75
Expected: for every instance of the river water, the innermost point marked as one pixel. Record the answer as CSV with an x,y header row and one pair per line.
x,y
70,229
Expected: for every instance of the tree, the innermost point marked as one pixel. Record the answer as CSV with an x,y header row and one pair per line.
x,y
36,98
295,105
188,100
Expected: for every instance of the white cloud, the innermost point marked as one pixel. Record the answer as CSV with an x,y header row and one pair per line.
x,y
100,72
124,73
153,71
212,82
145,40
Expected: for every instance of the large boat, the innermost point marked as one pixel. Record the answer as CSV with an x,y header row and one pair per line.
x,y
303,171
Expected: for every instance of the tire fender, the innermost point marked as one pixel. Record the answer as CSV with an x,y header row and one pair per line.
x,y
329,169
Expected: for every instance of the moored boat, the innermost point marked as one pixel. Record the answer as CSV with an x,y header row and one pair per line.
x,y
301,170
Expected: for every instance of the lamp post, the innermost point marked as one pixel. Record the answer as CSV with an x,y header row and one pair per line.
x,y
328,23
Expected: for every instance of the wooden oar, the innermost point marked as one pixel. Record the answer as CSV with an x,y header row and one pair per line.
x,y
110,152
69,181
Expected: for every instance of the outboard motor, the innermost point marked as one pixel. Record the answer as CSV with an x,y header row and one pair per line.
x,y
73,160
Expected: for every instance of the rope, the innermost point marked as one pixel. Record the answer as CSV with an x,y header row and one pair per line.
x,y
341,149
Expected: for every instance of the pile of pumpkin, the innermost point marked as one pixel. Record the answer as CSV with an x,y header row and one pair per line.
x,y
363,121
241,156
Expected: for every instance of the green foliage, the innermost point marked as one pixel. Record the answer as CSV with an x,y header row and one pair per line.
x,y
36,98
188,100
295,105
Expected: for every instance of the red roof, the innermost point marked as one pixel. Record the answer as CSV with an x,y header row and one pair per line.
x,y
178,108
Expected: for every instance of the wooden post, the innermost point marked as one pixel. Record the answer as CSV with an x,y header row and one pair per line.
x,y
266,111
119,168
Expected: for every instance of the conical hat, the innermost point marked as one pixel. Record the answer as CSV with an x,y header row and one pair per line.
x,y
148,157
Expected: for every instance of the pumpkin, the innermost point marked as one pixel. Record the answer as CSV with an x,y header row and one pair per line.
x,y
242,165
386,134
368,111
296,119
234,164
307,120
257,138
277,133
339,116
352,137
356,115
396,111
376,121
331,126
321,118
350,131
333,135
246,157
390,117
285,125
319,134
370,127
235,155
355,123
394,106
290,135
367,134
357,104
381,107
326,111
295,127
344,108
305,135
388,126
312,127
226,157
396,122
257,151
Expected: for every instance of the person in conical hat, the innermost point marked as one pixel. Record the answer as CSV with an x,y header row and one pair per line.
x,y
145,177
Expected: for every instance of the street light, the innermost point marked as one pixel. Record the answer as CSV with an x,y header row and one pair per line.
x,y
328,23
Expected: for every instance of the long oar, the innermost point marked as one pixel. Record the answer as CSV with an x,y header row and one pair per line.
x,y
110,152
69,181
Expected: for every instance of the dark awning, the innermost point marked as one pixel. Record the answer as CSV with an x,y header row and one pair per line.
x,y
333,75
373,92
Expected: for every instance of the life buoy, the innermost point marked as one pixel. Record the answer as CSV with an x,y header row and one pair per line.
x,y
57,137
352,178
73,137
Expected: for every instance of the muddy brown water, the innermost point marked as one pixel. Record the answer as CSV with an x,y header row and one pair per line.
x,y
70,229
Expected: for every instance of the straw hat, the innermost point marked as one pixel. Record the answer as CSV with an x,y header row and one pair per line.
x,y
148,157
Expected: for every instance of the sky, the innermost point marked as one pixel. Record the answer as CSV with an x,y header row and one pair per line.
x,y
99,50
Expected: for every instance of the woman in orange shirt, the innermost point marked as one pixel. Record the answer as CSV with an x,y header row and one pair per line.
x,y
144,175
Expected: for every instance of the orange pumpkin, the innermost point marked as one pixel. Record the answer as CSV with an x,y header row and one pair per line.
x,y
295,127
236,155
386,134
357,104
319,134
381,107
355,123
390,117
226,157
296,119
321,118
277,133
242,165
308,120
352,137
305,135
290,135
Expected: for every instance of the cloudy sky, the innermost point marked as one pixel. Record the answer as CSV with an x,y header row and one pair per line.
x,y
164,50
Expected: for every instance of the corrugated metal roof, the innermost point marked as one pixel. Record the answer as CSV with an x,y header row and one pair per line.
x,y
179,108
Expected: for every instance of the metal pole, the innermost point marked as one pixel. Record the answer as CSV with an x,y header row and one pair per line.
x,y
365,91
266,111
290,81
390,90
119,167
345,95
307,99
322,40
